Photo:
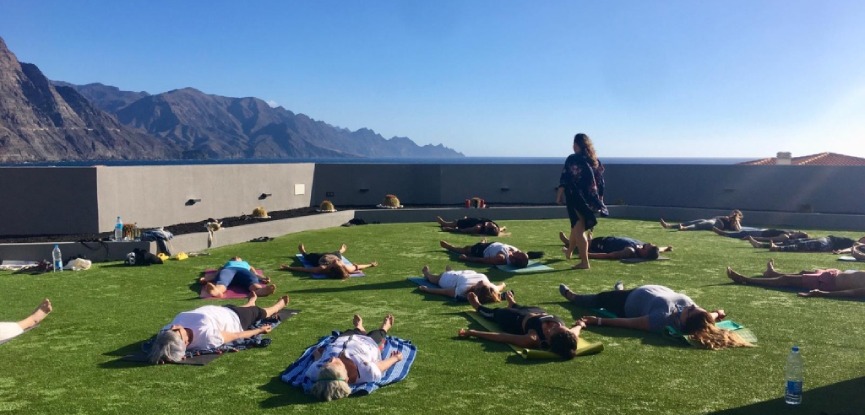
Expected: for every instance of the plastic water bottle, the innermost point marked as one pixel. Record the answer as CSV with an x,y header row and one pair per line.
x,y
794,374
118,230
57,258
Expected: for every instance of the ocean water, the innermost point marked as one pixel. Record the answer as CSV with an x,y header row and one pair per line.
x,y
393,160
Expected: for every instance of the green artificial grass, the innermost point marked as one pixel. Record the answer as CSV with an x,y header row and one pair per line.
x,y
70,363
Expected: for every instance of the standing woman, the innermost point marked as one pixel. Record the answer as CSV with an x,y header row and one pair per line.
x,y
582,185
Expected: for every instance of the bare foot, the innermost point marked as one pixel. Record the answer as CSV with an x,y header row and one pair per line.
x,y
283,267
301,249
564,239
444,245
581,265
387,323
43,310
343,248
566,292
473,300
357,321
567,252
212,290
425,271
754,242
736,277
251,299
664,224
770,269
266,290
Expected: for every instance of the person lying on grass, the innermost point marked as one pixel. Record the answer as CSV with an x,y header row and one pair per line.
x,y
620,247
731,222
10,330
654,307
458,283
353,358
526,326
239,273
471,226
331,264
492,253
209,327
831,243
763,235
819,282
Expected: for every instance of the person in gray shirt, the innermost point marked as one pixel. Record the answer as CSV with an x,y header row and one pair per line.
x,y
654,307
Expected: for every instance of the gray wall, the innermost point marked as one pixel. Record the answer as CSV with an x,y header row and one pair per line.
x,y
51,200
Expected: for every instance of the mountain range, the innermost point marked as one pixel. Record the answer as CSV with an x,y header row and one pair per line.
x,y
43,120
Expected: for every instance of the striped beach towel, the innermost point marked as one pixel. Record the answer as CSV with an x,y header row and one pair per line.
x,y
295,373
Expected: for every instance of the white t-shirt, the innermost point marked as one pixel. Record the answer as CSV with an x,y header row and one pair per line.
x,y
461,280
496,248
362,350
207,324
9,331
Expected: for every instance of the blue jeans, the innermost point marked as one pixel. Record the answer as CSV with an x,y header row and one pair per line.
x,y
236,276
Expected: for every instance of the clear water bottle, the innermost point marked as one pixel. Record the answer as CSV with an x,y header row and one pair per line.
x,y
118,230
57,258
794,375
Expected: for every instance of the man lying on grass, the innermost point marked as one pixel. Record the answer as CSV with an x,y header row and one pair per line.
x,y
819,282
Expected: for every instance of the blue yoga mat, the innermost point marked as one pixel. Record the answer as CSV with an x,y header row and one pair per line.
x,y
534,266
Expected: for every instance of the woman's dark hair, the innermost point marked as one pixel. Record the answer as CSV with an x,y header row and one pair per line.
x,y
564,344
486,294
336,271
653,253
585,144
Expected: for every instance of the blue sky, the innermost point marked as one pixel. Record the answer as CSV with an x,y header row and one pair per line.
x,y
738,78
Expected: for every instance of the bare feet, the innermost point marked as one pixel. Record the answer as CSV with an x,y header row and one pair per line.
x,y
301,249
445,245
473,300
566,292
754,242
251,299
357,321
213,290
581,265
770,269
387,323
343,248
425,271
564,239
266,290
664,224
736,277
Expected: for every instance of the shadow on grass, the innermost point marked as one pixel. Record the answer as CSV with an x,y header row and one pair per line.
x,y
842,398
283,394
401,284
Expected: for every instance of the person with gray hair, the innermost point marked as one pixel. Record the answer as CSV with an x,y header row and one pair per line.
x,y
353,358
209,327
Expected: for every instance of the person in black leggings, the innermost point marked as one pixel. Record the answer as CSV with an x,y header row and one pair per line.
x,y
526,326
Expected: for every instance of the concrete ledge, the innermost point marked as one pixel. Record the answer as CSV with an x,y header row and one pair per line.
x,y
234,235
94,251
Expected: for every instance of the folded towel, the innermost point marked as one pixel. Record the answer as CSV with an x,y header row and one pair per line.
x,y
534,266
295,373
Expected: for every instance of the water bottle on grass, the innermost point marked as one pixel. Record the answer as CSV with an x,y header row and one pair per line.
x,y
57,258
794,375
118,230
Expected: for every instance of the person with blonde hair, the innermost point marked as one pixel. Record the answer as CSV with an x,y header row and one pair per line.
x,y
458,283
654,307
352,358
581,190
10,330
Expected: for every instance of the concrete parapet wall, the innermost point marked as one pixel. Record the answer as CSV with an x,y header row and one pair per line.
x,y
94,251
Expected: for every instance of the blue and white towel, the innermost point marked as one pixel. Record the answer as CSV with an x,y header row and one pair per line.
x,y
295,373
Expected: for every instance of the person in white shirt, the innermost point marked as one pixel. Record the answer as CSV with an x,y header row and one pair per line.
x,y
210,326
492,253
354,357
458,283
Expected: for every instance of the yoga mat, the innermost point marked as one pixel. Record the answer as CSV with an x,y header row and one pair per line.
x,y
322,276
847,258
534,266
426,283
584,348
638,260
233,290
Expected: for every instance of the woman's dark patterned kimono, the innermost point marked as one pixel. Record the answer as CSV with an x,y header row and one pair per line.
x,y
584,190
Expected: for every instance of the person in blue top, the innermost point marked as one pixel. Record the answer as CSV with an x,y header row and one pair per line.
x,y
620,247
654,307
237,272
581,189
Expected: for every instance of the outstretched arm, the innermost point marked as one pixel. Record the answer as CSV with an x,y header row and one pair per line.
x,y
636,323
385,364
228,336
625,253
853,293
528,341
358,267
